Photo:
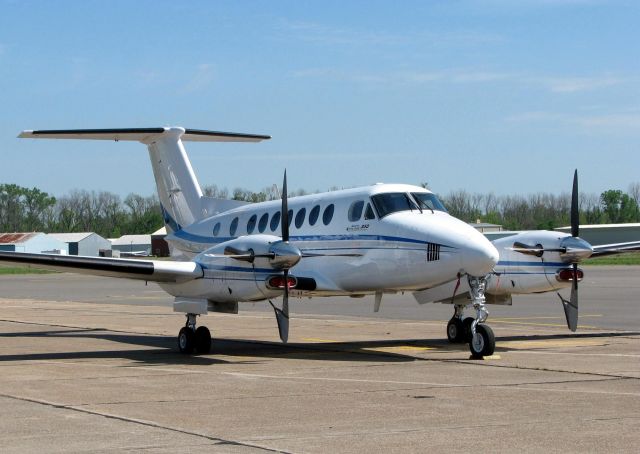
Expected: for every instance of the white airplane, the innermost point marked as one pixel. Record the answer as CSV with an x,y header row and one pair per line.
x,y
530,262
384,238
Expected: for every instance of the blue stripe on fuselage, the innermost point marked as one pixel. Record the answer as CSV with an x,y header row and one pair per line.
x,y
544,264
187,236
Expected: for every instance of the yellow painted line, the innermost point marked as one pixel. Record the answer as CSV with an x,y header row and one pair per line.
x,y
541,317
555,325
492,358
552,343
400,348
315,339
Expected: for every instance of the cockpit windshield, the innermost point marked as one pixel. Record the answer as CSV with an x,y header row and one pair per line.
x,y
392,202
428,201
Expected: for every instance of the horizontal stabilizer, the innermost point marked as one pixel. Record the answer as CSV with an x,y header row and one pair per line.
x,y
144,135
147,270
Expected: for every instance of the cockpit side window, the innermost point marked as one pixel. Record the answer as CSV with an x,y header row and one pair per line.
x,y
355,210
428,201
392,202
368,213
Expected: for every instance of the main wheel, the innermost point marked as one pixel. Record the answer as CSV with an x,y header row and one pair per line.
x,y
186,340
203,340
455,331
483,343
466,328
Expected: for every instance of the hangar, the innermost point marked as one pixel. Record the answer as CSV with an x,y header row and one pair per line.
x,y
34,242
159,246
131,245
607,233
87,244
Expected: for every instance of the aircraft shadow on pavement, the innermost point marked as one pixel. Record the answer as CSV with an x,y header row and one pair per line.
x,y
163,349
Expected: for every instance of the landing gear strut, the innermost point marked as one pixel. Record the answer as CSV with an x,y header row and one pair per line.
x,y
191,338
483,341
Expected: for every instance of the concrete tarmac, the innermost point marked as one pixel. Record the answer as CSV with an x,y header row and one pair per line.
x,y
91,364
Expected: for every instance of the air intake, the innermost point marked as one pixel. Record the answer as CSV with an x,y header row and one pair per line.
x,y
433,252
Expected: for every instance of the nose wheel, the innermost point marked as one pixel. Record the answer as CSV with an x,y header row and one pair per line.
x,y
457,330
192,339
482,341
459,326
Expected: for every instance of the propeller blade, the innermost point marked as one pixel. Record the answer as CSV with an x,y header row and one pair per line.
x,y
284,215
571,306
283,323
575,215
282,315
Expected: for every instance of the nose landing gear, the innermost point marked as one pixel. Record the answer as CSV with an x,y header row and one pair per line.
x,y
483,341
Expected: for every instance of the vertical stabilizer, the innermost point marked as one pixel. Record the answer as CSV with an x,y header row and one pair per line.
x,y
178,188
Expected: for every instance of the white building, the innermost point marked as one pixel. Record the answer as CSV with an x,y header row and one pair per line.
x,y
35,242
131,245
87,244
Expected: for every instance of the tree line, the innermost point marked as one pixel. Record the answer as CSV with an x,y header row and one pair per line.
x,y
545,211
109,215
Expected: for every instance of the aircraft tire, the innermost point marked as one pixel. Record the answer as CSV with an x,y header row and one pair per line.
x,y
455,331
484,342
186,340
202,340
466,328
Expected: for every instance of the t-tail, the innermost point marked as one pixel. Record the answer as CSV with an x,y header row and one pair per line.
x,y
180,194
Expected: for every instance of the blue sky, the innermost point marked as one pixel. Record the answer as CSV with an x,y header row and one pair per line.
x,y
486,95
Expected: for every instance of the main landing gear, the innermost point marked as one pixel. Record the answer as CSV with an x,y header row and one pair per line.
x,y
482,341
191,338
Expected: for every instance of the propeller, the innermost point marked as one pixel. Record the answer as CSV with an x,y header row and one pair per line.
x,y
571,306
282,315
282,256
572,250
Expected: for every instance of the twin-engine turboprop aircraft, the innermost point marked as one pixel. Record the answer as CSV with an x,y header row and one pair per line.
x,y
530,262
373,240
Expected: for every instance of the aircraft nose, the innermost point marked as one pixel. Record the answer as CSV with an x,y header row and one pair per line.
x,y
479,257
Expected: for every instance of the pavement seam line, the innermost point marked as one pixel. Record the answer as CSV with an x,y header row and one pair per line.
x,y
140,422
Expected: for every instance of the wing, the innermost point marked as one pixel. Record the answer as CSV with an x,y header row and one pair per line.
x,y
618,248
146,270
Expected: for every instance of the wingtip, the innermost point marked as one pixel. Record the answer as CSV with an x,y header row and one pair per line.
x,y
26,133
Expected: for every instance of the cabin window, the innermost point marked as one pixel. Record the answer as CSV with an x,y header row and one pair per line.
x,y
368,213
428,201
300,217
216,229
251,225
393,202
355,210
327,215
290,213
313,215
275,221
262,225
233,227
